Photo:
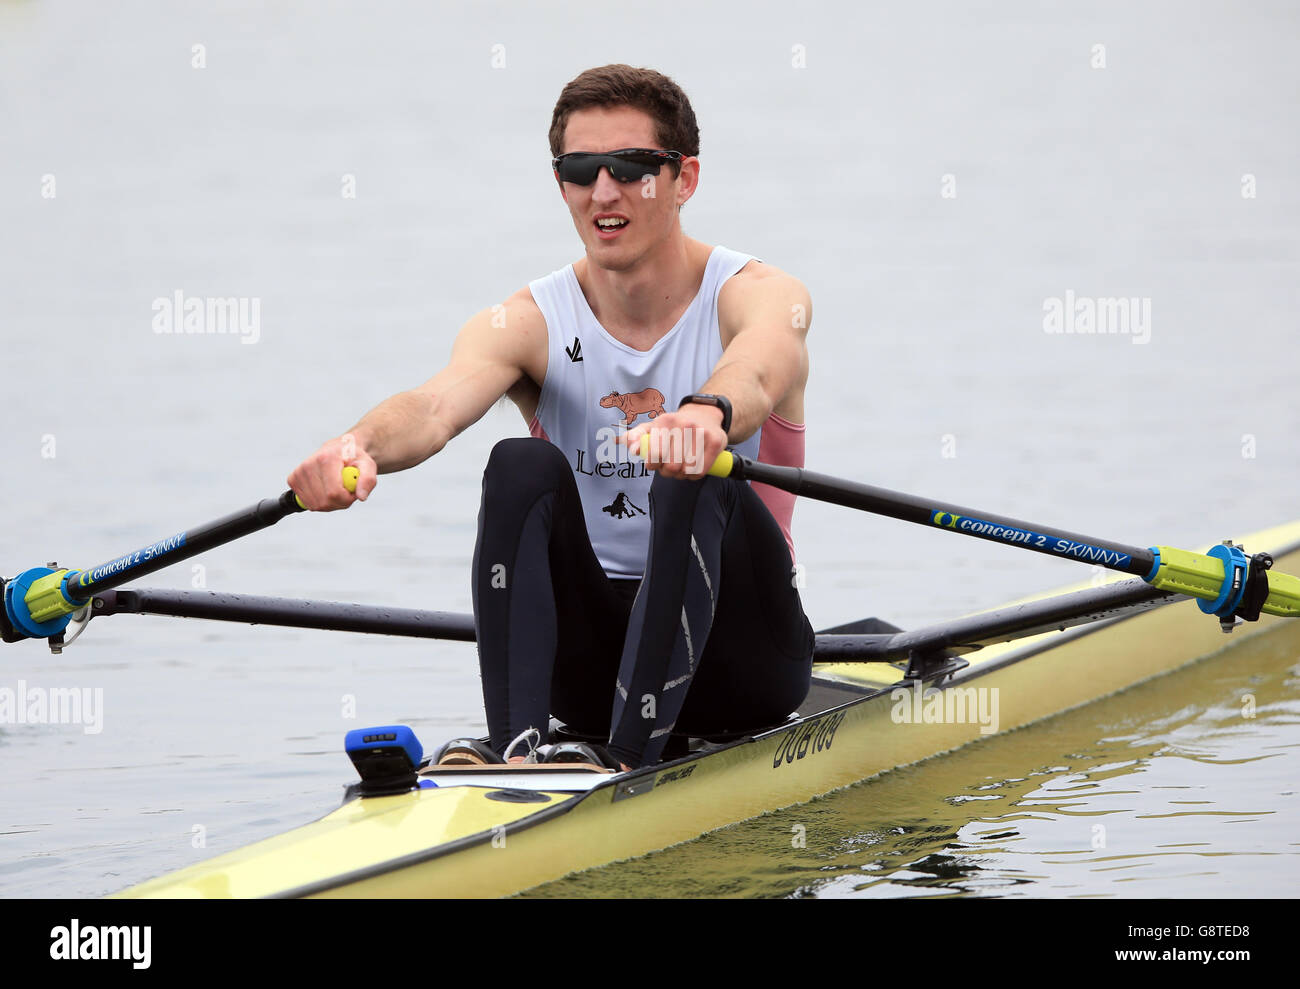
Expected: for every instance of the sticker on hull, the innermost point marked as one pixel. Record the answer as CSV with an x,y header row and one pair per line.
x,y
810,738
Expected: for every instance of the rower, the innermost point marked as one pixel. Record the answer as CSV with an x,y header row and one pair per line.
x,y
634,605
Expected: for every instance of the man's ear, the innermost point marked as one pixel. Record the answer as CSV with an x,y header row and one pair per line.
x,y
563,195
689,179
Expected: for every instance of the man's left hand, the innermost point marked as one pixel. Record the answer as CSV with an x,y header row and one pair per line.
x,y
683,444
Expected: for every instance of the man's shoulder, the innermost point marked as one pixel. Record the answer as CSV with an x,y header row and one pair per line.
x,y
524,299
757,280
513,326
520,310
756,271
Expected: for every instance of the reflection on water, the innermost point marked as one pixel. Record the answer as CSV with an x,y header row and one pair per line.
x,y
1160,791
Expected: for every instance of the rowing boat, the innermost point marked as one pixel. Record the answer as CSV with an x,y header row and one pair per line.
x,y
494,831
880,698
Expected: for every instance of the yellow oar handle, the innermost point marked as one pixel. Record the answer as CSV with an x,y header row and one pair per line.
x,y
721,467
350,476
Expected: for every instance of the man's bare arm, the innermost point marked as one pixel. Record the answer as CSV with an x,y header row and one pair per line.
x,y
764,319
492,352
765,361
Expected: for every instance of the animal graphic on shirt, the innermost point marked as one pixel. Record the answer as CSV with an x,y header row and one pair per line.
x,y
621,508
649,401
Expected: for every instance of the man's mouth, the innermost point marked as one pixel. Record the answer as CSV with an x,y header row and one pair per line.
x,y
609,226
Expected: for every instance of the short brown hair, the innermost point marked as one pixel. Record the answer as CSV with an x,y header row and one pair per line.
x,y
642,89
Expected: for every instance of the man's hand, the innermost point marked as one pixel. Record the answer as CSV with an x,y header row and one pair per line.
x,y
318,480
683,444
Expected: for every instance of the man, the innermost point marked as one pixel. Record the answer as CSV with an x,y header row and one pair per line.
x,y
636,601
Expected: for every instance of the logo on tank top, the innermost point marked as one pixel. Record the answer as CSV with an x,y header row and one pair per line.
x,y
574,352
622,508
611,458
647,401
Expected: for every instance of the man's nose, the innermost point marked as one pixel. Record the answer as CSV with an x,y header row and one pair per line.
x,y
607,188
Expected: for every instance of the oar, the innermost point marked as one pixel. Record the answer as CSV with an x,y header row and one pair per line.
x,y
40,602
1225,581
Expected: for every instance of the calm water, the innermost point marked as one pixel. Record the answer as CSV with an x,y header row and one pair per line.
x,y
127,175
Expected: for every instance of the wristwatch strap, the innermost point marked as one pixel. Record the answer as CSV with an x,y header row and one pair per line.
x,y
717,401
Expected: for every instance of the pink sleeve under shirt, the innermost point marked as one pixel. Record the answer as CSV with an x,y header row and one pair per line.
x,y
781,442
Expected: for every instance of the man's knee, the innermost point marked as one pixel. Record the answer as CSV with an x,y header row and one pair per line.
x,y
672,494
523,461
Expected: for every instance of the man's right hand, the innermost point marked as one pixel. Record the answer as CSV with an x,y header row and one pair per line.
x,y
318,480
495,351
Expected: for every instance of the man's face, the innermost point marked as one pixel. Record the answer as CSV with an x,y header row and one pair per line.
x,y
647,208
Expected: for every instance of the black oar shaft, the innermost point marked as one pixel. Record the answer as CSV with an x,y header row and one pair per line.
x,y
288,612
1063,611
85,584
1134,560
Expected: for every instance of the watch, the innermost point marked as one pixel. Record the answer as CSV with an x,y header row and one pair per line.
x,y
717,401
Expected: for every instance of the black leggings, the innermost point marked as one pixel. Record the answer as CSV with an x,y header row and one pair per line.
x,y
712,640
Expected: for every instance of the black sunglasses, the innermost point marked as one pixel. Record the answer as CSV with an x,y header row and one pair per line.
x,y
626,165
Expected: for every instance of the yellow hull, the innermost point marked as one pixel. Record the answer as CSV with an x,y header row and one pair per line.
x,y
469,841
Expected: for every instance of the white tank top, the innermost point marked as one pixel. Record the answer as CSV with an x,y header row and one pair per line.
x,y
597,388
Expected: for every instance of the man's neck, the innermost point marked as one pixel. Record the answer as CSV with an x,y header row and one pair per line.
x,y
640,305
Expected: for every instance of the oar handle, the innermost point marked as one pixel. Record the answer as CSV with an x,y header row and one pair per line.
x,y
722,466
350,478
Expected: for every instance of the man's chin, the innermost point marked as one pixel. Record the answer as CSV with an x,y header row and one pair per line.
x,y
611,258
